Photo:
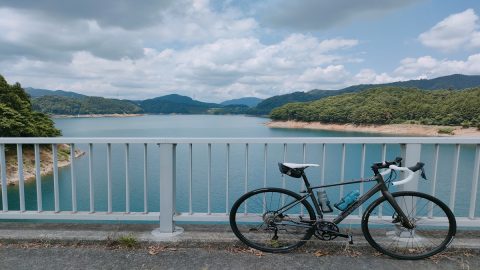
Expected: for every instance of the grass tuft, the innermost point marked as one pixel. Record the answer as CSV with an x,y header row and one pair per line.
x,y
128,241
446,130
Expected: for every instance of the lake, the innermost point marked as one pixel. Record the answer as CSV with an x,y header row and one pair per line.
x,y
219,126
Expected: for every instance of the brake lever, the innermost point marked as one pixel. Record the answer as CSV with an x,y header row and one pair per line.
x,y
398,160
423,174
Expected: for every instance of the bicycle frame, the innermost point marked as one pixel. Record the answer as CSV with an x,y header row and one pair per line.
x,y
380,186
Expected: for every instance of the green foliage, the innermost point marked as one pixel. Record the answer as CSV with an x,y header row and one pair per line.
x,y
86,105
389,105
17,119
446,130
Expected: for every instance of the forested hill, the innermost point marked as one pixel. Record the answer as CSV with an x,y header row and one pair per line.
x,y
78,104
247,101
455,81
390,105
35,93
84,105
176,104
17,119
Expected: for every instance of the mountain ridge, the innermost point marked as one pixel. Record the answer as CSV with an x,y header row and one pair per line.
x,y
36,92
175,103
248,101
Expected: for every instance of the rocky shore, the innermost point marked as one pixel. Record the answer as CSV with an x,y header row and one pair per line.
x,y
393,129
46,162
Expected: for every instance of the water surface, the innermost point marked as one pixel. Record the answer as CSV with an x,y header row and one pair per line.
x,y
242,176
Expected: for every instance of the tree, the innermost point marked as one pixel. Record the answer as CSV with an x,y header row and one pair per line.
x,y
17,119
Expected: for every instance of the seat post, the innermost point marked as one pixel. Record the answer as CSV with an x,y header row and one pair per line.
x,y
305,180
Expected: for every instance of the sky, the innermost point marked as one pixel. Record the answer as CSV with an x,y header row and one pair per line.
x,y
218,50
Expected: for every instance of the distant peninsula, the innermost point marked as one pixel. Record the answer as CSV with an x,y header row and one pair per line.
x,y
388,106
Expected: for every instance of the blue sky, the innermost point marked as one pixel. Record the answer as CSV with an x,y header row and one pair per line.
x,y
217,50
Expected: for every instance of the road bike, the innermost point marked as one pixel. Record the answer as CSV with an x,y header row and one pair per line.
x,y
403,225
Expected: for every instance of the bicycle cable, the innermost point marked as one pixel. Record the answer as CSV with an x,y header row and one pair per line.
x,y
392,176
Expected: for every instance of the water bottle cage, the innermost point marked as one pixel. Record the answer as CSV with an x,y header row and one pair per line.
x,y
326,209
324,202
347,201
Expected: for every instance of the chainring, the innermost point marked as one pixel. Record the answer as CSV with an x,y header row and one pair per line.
x,y
326,230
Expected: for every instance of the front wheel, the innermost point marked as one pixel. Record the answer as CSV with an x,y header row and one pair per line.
x,y
271,220
432,226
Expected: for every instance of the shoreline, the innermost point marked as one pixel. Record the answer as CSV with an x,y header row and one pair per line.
x,y
29,169
391,129
116,115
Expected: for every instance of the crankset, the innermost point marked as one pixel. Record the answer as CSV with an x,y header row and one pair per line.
x,y
327,231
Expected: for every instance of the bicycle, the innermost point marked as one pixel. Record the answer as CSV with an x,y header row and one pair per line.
x,y
403,225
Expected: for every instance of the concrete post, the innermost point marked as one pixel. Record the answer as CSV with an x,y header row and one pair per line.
x,y
167,182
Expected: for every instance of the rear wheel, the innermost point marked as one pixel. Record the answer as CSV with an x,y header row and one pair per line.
x,y
258,220
432,228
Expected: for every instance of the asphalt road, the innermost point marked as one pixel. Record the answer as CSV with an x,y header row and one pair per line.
x,y
41,256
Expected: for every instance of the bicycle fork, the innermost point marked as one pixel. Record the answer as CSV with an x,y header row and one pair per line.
x,y
403,219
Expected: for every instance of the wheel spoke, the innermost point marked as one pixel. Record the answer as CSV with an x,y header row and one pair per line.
x,y
274,229
427,237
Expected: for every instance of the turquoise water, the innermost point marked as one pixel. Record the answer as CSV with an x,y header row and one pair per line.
x,y
219,126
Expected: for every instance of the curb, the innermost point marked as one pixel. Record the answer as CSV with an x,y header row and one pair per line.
x,y
192,236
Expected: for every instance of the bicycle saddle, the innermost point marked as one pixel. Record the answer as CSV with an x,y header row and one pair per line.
x,y
294,169
299,165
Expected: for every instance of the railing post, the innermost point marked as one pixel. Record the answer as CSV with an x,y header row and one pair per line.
x,y
3,175
167,191
411,155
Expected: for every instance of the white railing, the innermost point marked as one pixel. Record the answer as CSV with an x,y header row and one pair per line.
x,y
455,155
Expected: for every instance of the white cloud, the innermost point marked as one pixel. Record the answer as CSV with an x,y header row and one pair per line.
x,y
331,73
425,67
196,22
430,67
369,76
457,31
214,71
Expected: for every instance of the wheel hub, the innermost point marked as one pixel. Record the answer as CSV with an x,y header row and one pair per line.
x,y
271,218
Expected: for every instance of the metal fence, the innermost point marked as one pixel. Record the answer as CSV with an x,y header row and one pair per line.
x,y
168,154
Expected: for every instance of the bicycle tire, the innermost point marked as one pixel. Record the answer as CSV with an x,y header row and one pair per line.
x,y
390,229
269,246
